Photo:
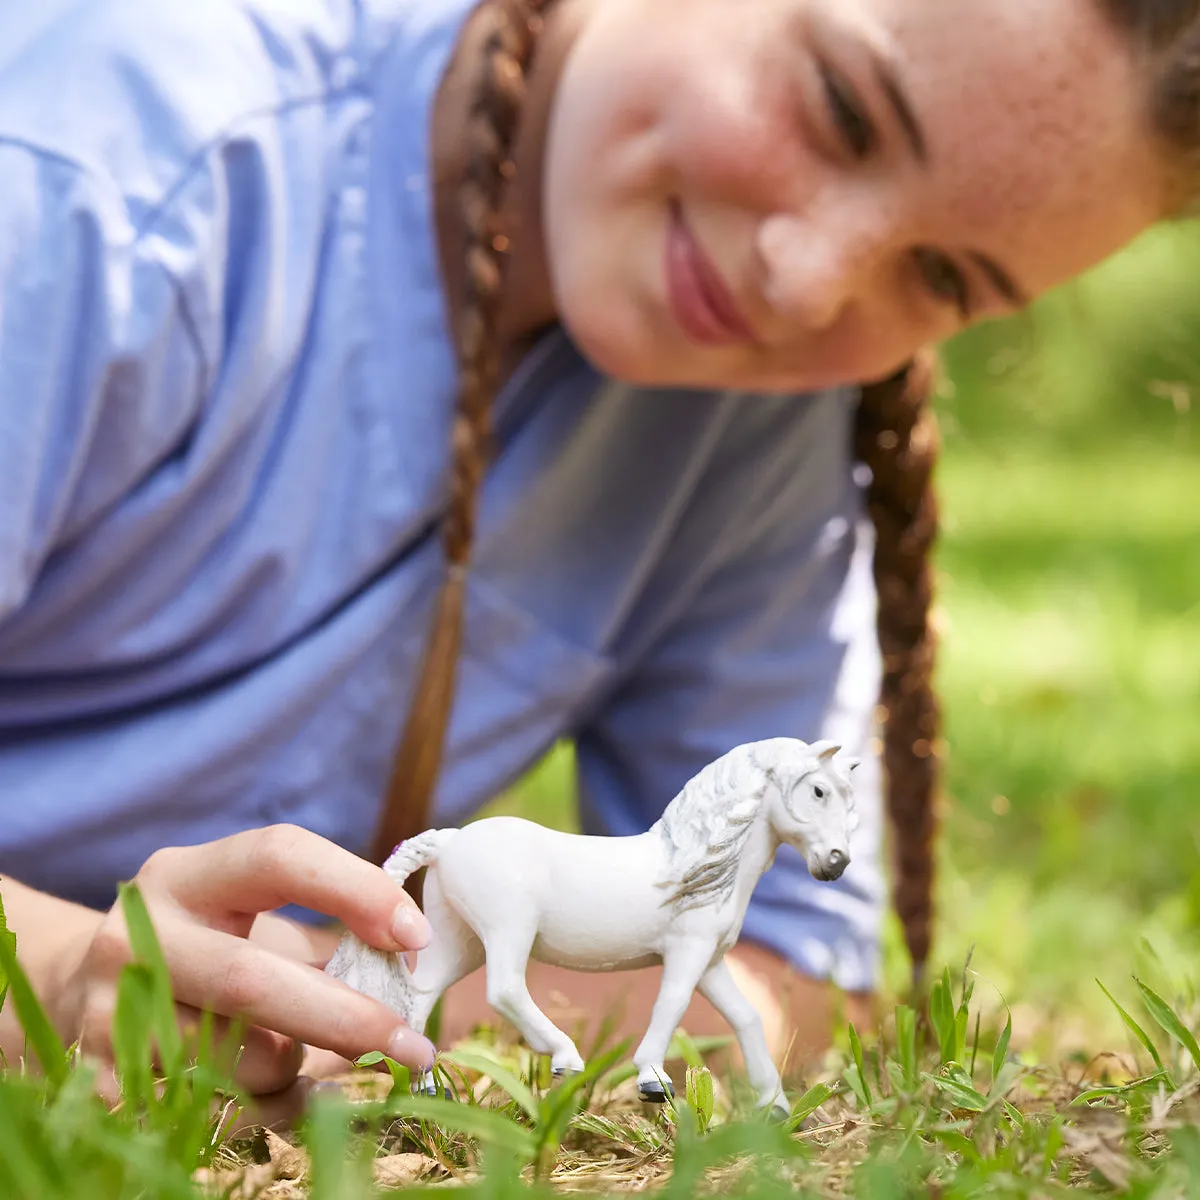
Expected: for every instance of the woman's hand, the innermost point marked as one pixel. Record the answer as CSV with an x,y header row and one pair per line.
x,y
203,901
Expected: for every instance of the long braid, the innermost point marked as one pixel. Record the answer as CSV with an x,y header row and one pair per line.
x,y
896,436
491,134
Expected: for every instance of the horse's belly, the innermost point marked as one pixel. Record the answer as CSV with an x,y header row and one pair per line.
x,y
603,928
596,958
583,946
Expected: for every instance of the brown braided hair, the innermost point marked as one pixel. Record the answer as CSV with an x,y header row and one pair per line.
x,y
491,134
894,437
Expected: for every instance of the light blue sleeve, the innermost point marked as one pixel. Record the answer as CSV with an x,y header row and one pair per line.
x,y
98,373
780,640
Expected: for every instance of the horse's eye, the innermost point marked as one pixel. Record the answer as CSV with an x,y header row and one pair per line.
x,y
819,792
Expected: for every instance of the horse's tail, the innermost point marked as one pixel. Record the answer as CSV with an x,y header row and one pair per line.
x,y
384,976
417,852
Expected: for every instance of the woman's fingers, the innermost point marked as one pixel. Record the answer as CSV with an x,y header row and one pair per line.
x,y
312,944
235,978
238,877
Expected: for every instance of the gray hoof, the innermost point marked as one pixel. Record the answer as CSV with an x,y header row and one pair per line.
x,y
655,1092
427,1086
564,1073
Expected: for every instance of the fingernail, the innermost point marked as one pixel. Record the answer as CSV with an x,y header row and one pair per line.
x,y
410,928
410,1048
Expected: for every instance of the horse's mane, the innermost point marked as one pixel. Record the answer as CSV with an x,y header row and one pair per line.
x,y
707,824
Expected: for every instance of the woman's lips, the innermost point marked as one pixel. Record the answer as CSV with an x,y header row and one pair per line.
x,y
696,293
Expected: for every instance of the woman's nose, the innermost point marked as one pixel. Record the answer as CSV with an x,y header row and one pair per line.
x,y
811,271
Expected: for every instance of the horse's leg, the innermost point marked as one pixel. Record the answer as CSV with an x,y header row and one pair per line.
x,y
681,973
453,952
507,959
719,988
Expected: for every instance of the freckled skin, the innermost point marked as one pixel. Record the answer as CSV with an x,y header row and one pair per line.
x,y
1039,156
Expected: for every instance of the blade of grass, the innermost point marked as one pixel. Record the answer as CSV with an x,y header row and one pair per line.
x,y
1001,1052
961,1094
942,1014
808,1104
1134,1028
699,1092
401,1075
337,1172
1166,1016
493,1068
470,1119
42,1036
906,1044
132,1048
11,938
856,1051
146,949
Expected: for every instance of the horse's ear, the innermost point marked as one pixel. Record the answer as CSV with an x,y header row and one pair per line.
x,y
825,750
851,763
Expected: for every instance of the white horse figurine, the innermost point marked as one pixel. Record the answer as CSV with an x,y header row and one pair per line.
x,y
503,890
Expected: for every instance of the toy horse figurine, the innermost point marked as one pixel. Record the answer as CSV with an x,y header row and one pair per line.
x,y
503,890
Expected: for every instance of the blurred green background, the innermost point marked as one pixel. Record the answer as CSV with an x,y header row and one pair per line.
x,y
1070,668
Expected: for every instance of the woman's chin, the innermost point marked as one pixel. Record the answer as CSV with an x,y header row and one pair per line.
x,y
625,349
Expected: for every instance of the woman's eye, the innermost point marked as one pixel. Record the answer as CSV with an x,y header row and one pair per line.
x,y
848,115
944,279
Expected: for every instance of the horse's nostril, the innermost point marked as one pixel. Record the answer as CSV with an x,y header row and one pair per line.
x,y
835,863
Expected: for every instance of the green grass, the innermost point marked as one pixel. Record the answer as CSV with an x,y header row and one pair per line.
x,y
938,1103
1070,604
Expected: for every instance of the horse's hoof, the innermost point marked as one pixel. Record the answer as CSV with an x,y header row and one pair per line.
x,y
561,1073
428,1087
654,1092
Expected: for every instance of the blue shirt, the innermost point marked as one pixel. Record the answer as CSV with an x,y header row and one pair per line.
x,y
226,388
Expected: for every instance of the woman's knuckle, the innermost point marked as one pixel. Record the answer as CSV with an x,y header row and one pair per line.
x,y
283,1055
162,865
276,847
108,950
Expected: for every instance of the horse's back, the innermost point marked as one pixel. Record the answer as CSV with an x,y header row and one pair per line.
x,y
587,900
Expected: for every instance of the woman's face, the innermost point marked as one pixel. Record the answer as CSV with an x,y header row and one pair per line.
x,y
792,194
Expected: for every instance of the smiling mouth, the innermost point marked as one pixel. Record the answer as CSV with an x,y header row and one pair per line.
x,y
696,293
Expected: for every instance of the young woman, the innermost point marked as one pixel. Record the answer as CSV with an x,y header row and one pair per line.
x,y
363,359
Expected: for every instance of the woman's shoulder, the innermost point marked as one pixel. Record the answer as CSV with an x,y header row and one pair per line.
x,y
134,90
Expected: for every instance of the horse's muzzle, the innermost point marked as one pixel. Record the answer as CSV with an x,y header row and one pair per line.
x,y
830,866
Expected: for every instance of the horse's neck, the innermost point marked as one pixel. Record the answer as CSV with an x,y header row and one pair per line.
x,y
757,856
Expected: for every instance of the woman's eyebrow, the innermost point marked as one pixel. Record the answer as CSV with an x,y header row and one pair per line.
x,y
1000,279
889,82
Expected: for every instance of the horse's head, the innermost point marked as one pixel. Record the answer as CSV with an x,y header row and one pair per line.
x,y
812,805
